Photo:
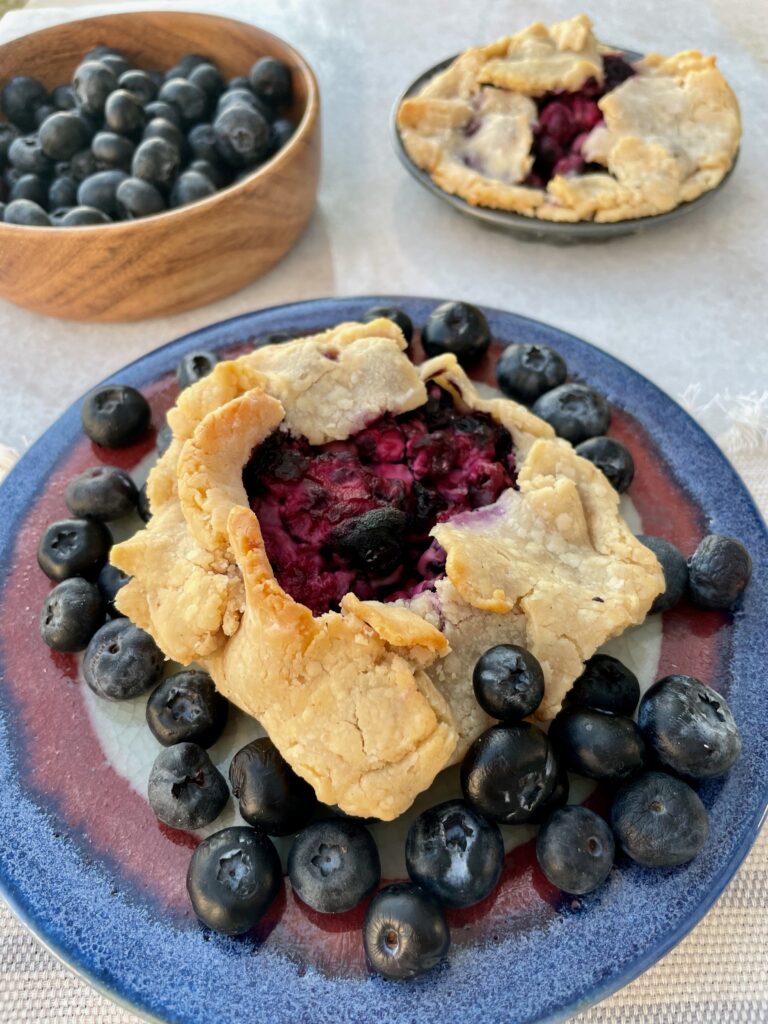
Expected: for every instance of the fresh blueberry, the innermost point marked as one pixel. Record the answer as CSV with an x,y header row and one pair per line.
x,y
31,187
558,798
207,78
8,133
115,415
144,510
43,113
21,97
62,192
269,792
239,82
612,457
73,547
99,191
138,198
164,439
674,567
372,541
233,879
83,165
185,789
63,97
91,122
194,366
282,132
597,744
185,66
271,81
116,63
689,727
212,170
92,84
139,84
188,98
242,98
191,187
161,128
111,580
576,412
102,492
62,135
242,136
123,112
525,372
186,707
459,329
659,821
112,150
202,143
26,155
606,685
508,772
508,682
575,850
2,212
333,864
26,213
156,160
159,108
718,572
455,854
397,316
71,614
405,932
122,661
83,216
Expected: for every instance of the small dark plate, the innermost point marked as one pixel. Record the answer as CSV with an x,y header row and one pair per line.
x,y
530,229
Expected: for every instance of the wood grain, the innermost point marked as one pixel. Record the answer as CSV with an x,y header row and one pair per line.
x,y
187,257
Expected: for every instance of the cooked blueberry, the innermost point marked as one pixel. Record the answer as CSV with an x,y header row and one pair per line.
x,y
270,80
282,132
139,84
606,685
190,187
233,879
674,567
123,112
115,415
194,366
31,187
92,84
397,316
71,614
83,165
525,372
269,792
113,150
659,821
185,66
508,772
26,155
63,97
455,853
508,682
164,439
21,97
187,708
73,547
405,932
242,136
612,457
212,170
459,329
144,510
576,412
167,111
161,128
156,160
102,492
185,789
372,541
207,78
8,133
597,744
188,98
689,727
122,661
718,572
616,69
62,192
138,198
83,216
99,191
27,213
110,581
333,864
575,850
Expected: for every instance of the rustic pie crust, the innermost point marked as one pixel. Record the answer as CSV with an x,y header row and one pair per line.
x,y
370,702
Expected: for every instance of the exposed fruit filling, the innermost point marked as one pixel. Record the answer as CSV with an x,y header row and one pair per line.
x,y
355,515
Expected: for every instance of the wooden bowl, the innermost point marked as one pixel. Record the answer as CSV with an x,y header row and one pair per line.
x,y
188,256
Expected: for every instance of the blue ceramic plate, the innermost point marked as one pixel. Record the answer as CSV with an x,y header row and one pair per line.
x,y
87,867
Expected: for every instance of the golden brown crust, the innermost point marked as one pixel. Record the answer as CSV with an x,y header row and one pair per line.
x,y
670,133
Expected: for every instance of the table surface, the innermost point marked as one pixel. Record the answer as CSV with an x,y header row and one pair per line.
x,y
685,304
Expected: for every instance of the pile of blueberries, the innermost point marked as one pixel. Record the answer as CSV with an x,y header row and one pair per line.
x,y
513,774
119,143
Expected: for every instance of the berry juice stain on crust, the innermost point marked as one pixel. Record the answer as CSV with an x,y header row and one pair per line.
x,y
355,515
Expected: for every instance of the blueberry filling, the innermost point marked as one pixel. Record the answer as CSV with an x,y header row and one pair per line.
x,y
355,515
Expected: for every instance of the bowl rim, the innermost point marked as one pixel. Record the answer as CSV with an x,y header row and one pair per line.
x,y
307,121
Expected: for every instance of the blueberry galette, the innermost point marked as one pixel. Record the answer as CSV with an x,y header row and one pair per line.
x,y
337,535
550,123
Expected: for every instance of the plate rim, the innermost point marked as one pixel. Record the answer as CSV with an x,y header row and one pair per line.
x,y
725,872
